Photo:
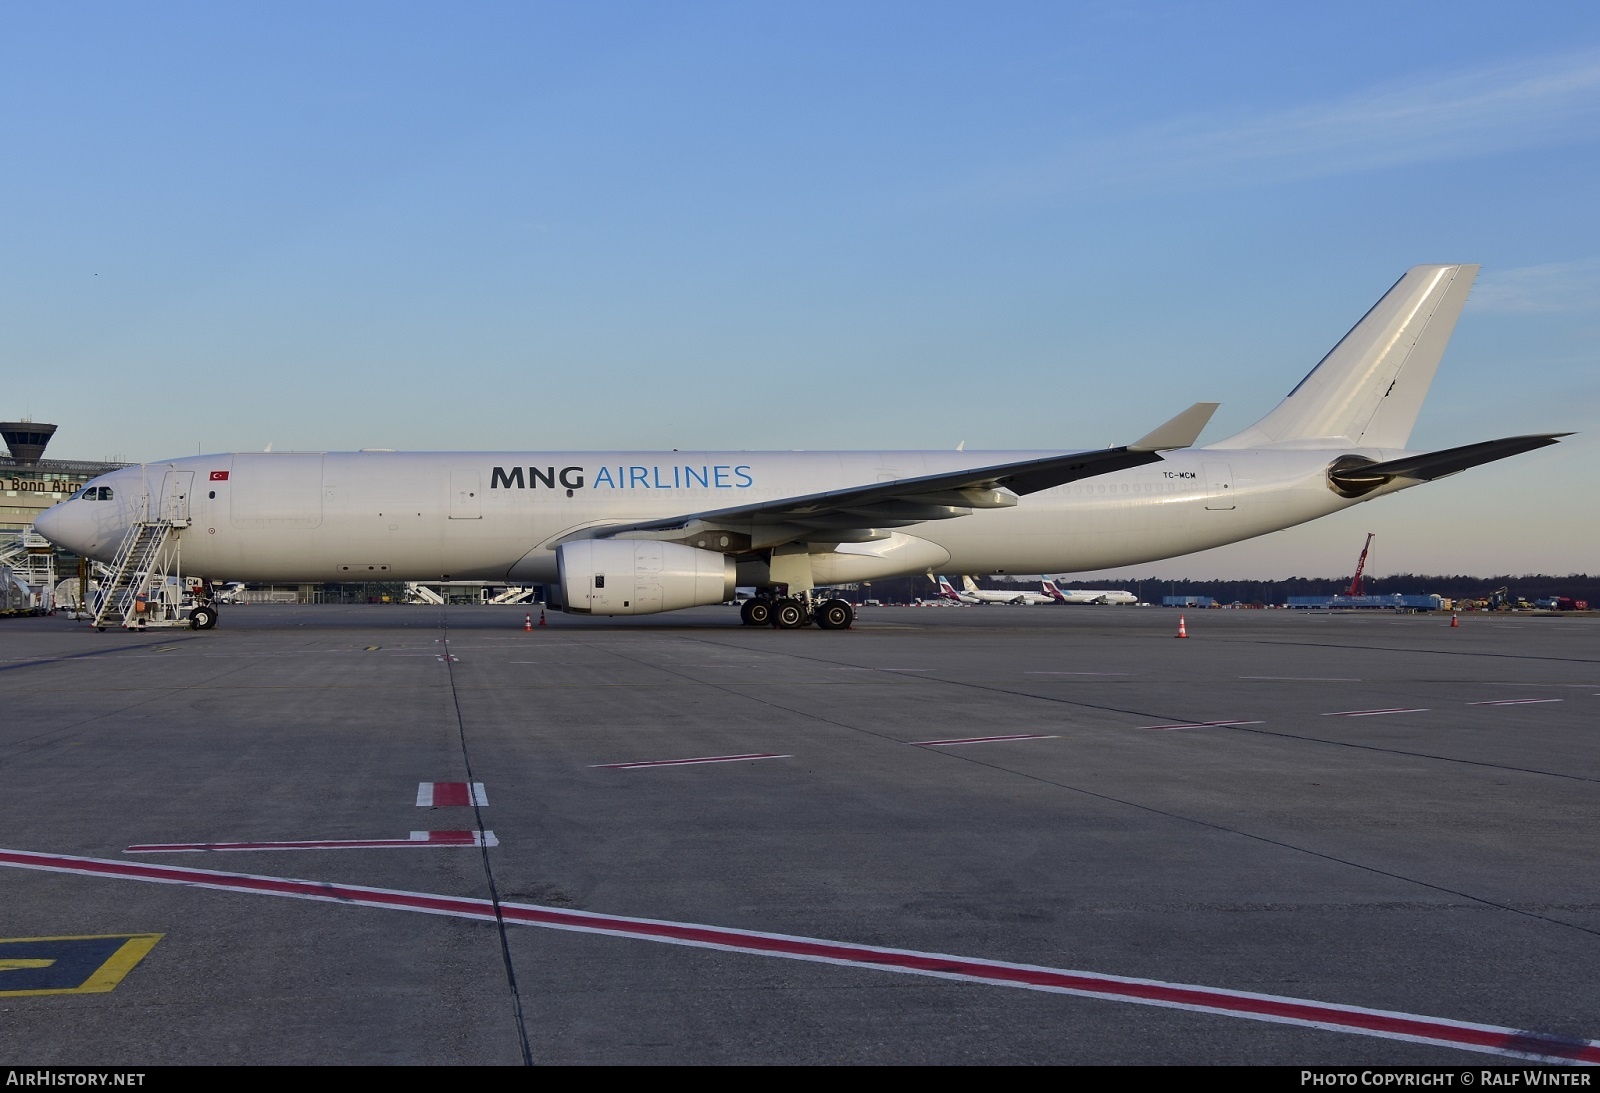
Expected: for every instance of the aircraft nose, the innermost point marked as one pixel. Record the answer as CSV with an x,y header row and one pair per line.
x,y
57,524
48,523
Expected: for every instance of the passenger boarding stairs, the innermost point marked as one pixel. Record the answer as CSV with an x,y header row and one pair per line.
x,y
144,554
515,594
32,561
12,551
421,593
144,586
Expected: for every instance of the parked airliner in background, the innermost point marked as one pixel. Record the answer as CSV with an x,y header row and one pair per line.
x,y
1088,595
947,591
618,533
973,594
1052,594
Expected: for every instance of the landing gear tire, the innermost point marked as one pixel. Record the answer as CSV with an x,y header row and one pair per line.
x,y
202,618
789,614
756,612
835,615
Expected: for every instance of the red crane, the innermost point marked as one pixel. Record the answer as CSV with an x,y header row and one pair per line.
x,y
1361,563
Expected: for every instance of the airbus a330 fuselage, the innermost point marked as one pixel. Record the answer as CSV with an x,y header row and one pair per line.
x,y
292,516
617,533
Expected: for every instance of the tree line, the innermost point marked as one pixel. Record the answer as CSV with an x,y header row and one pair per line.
x,y
1579,586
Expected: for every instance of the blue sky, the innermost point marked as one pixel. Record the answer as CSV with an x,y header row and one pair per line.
x,y
813,226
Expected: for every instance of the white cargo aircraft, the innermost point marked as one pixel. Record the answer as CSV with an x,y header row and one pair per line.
x,y
619,533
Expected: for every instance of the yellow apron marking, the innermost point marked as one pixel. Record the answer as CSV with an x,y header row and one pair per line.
x,y
81,964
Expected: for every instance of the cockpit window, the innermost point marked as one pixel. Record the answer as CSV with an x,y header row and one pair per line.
x,y
96,493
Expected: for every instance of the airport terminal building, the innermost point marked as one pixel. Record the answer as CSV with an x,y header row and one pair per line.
x,y
32,482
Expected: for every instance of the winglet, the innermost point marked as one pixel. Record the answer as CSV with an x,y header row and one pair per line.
x,y
1181,432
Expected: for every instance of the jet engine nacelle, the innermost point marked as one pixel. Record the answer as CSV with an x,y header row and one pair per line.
x,y
640,577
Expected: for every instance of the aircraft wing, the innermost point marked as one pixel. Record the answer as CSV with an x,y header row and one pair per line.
x,y
858,512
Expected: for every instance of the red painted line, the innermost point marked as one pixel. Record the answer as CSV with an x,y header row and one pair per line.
x,y
417,839
980,740
455,838
1201,725
688,762
443,794
1376,713
1514,702
1335,1017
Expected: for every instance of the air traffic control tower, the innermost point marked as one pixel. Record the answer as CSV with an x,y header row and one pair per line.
x,y
33,483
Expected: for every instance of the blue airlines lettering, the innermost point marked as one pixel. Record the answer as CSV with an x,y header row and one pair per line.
x,y
623,477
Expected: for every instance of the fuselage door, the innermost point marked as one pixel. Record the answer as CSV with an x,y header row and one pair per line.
x,y
175,489
465,499
1219,486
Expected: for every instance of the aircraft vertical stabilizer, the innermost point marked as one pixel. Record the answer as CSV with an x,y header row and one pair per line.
x,y
1369,388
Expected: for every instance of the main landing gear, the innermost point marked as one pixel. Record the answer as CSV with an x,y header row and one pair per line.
x,y
794,612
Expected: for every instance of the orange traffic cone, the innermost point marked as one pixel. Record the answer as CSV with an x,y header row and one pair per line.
x,y
527,622
1454,621
541,616
1182,631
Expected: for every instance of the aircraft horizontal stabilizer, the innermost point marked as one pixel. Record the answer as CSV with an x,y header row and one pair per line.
x,y
1354,478
1181,432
